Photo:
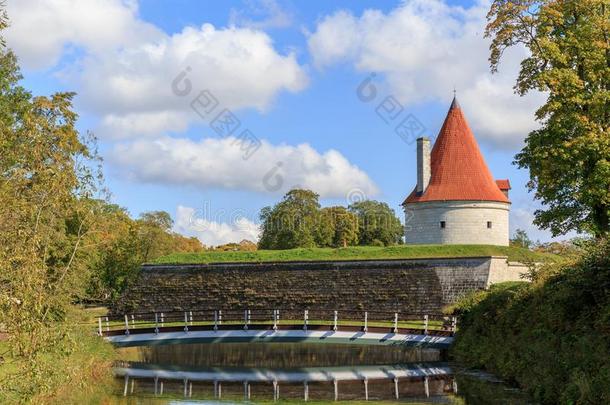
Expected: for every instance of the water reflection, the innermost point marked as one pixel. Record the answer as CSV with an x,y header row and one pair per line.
x,y
295,372
277,355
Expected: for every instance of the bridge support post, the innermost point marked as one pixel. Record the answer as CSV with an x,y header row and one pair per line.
x,y
425,324
126,325
453,324
156,323
395,329
336,387
162,319
305,391
426,387
305,319
276,317
366,321
366,389
246,391
245,319
396,388
335,319
217,389
156,385
186,322
186,383
126,385
215,320
276,391
454,386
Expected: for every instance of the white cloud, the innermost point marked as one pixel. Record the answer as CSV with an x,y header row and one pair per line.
x,y
97,25
220,163
124,67
133,88
425,48
192,222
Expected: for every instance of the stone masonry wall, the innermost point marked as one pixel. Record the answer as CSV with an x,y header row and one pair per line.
x,y
465,222
410,286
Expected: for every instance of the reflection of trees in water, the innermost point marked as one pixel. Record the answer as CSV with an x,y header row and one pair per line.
x,y
280,355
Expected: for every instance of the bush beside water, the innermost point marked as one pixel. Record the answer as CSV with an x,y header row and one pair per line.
x,y
551,336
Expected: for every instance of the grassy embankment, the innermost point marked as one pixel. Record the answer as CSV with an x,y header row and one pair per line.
x,y
551,337
75,375
359,253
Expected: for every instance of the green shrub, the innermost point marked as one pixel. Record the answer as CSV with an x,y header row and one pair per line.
x,y
552,336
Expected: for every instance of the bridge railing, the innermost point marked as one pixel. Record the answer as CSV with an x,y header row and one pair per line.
x,y
276,319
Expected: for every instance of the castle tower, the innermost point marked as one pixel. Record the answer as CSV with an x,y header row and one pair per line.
x,y
456,200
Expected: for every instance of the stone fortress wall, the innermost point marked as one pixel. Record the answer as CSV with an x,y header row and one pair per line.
x,y
414,286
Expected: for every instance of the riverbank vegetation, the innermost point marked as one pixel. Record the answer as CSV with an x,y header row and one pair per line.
x,y
550,336
359,253
61,242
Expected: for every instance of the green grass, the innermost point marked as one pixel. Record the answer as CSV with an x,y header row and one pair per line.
x,y
358,253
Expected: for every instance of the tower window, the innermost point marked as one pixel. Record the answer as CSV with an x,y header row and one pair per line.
x,y
488,224
443,224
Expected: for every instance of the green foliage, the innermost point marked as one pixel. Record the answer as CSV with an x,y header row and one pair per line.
x,y
343,226
122,244
360,253
569,156
377,222
46,170
521,239
298,222
58,243
292,222
550,336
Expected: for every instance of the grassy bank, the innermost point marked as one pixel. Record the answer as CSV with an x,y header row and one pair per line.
x,y
71,376
552,337
358,253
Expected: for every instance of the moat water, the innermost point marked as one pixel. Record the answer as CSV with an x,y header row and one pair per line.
x,y
295,373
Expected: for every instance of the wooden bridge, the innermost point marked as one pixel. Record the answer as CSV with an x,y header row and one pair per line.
x,y
273,325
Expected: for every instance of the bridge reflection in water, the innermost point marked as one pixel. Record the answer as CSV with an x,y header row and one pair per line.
x,y
383,382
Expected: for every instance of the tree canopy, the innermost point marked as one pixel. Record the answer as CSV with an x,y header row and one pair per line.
x,y
298,221
568,157
377,223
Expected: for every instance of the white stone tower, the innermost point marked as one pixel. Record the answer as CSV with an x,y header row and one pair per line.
x,y
456,200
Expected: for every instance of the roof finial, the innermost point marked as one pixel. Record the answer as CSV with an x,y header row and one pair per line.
x,y
454,103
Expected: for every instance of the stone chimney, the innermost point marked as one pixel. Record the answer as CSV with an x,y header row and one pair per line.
x,y
423,164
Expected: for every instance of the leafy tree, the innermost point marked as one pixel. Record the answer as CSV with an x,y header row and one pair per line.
x,y
292,222
376,221
569,156
325,228
343,223
521,239
123,244
47,171
153,233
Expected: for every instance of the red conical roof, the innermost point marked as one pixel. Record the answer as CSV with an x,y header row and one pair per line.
x,y
458,170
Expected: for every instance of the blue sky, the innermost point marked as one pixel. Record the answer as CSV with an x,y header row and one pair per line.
x,y
289,72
